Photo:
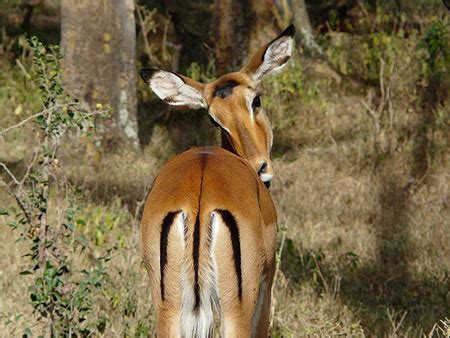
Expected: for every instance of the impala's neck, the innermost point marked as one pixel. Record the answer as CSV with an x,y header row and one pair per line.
x,y
227,146
226,143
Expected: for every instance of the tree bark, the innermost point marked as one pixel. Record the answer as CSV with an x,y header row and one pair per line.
x,y
240,27
305,38
305,34
232,20
98,41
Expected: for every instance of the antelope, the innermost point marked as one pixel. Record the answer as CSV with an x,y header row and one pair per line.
x,y
208,230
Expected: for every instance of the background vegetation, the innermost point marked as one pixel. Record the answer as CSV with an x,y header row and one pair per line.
x,y
362,132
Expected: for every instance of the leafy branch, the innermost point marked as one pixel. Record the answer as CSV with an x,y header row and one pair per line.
x,y
54,295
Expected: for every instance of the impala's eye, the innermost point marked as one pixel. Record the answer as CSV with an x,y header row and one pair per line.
x,y
256,103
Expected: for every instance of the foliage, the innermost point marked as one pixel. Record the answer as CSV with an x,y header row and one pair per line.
x,y
65,302
436,43
196,72
361,186
18,94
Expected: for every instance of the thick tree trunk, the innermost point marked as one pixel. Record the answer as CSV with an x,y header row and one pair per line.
x,y
305,34
305,38
240,27
232,21
191,20
98,42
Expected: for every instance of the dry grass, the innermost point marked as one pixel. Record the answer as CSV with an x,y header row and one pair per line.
x,y
366,216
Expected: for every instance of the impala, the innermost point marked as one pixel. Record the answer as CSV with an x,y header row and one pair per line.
x,y
208,231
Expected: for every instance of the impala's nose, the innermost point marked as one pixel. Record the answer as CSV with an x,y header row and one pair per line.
x,y
265,170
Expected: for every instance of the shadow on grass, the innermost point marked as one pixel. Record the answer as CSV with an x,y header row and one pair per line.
x,y
387,283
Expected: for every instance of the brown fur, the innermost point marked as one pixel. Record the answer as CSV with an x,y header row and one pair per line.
x,y
228,183
202,184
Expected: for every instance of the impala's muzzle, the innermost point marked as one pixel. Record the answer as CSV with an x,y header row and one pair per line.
x,y
265,170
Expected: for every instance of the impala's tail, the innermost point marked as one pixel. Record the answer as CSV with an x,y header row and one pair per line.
x,y
199,272
199,280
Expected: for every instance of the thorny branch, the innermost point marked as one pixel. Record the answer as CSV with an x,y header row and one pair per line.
x,y
21,123
375,114
41,113
45,191
277,268
144,35
14,194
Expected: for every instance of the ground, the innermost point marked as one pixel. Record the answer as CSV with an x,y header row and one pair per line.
x,y
361,189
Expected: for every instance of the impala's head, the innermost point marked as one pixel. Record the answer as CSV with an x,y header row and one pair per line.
x,y
233,101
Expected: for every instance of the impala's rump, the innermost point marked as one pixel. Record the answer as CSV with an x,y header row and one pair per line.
x,y
200,228
208,230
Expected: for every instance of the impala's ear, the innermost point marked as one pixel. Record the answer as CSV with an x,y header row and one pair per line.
x,y
174,89
271,57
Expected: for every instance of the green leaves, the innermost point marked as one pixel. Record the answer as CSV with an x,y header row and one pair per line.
x,y
63,296
436,43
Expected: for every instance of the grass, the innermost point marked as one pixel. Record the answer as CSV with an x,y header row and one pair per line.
x,y
365,213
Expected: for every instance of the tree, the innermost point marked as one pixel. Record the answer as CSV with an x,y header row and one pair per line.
x,y
312,50
98,40
239,28
305,35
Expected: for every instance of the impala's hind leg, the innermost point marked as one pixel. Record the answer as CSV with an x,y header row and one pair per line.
x,y
238,291
164,263
168,323
261,317
243,322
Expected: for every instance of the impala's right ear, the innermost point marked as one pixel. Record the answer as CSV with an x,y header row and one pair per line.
x,y
174,89
271,57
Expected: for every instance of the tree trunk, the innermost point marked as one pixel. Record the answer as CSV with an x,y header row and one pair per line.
x,y
232,20
98,40
240,27
305,34
305,38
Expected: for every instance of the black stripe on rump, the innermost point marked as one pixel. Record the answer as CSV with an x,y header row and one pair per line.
x,y
196,240
195,254
231,224
165,228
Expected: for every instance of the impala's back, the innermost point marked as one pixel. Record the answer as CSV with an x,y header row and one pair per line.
x,y
208,231
208,239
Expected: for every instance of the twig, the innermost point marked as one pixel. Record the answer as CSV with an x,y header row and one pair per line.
x,y
275,277
375,118
139,205
10,174
30,165
382,89
24,71
45,192
431,333
13,194
164,39
44,112
325,284
337,285
21,123
144,34
392,319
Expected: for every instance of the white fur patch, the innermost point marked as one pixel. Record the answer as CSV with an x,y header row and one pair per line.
x,y
275,57
200,322
219,123
180,225
266,177
172,89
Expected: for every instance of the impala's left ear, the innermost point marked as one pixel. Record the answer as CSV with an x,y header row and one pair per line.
x,y
271,57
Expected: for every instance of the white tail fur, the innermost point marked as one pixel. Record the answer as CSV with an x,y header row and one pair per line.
x,y
200,322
